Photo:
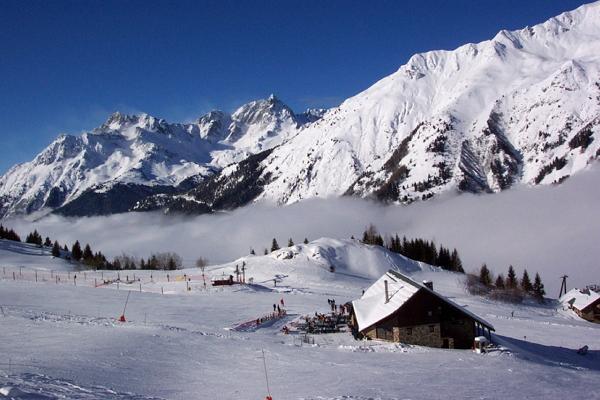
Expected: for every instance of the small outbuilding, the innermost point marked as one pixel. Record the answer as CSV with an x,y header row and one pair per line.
x,y
585,303
399,309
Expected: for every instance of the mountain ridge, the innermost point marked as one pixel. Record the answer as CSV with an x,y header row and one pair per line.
x,y
520,108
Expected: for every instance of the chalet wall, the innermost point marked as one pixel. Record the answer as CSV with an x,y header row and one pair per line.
x,y
423,335
427,321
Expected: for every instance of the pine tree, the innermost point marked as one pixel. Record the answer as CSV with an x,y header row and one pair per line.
x,y
500,282
171,265
56,249
65,248
47,242
12,235
485,278
456,262
266,252
526,282
274,245
305,240
538,288
511,278
87,253
290,242
76,251
252,252
142,263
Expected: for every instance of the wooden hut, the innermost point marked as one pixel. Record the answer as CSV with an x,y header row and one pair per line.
x,y
399,309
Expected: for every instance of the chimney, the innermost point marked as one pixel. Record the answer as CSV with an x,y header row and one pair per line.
x,y
387,295
428,284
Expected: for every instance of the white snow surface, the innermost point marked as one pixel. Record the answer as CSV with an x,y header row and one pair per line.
x,y
61,340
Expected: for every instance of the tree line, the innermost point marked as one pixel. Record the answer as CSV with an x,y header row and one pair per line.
x,y
9,234
510,288
97,260
416,249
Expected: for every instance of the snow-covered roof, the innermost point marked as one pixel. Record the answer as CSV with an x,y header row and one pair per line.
x,y
372,307
579,298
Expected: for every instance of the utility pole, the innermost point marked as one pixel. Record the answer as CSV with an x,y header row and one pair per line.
x,y
563,285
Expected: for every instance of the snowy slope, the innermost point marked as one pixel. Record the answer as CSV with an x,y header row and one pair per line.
x,y
132,151
63,341
16,255
323,264
480,118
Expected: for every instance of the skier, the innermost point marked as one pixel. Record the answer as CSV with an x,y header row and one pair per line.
x,y
274,307
281,301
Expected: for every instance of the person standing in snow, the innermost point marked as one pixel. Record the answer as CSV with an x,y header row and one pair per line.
x,y
281,301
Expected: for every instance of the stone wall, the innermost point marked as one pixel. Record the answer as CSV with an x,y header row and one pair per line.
x,y
422,335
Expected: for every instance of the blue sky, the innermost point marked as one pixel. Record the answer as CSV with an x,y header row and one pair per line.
x,y
66,65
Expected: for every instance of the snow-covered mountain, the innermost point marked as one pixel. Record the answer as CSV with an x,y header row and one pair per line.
x,y
131,157
523,107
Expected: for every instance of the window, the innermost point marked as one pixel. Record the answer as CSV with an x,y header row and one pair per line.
x,y
431,328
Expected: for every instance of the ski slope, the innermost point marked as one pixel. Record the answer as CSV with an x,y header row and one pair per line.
x,y
61,340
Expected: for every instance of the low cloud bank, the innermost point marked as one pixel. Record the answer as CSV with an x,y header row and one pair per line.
x,y
553,230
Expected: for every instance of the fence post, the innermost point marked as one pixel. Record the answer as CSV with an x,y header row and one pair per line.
x,y
56,278
14,277
95,282
161,290
140,287
36,275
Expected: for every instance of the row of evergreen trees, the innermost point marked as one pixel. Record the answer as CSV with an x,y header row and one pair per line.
x,y
157,261
96,260
416,249
510,288
9,234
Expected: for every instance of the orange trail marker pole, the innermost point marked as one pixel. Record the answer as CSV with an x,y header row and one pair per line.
x,y
122,317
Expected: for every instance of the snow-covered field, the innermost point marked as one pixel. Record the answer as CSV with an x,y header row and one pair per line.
x,y
61,340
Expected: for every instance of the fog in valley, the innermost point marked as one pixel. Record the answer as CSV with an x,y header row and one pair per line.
x,y
553,230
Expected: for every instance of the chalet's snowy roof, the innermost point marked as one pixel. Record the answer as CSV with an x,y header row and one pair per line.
x,y
372,307
579,298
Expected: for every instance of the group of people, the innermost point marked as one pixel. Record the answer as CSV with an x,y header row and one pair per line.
x,y
279,307
341,308
278,312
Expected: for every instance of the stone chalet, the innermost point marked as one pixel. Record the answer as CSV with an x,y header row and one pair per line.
x,y
399,309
